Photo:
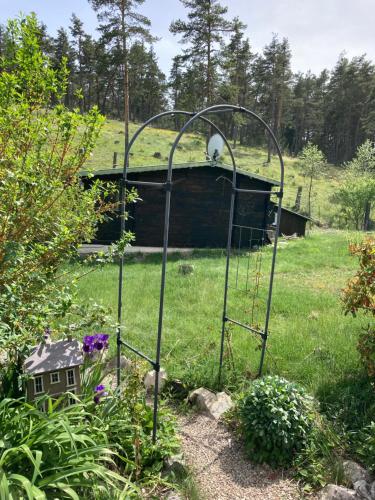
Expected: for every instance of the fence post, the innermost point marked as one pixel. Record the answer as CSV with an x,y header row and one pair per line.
x,y
114,163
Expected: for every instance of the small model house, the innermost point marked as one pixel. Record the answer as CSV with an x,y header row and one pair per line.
x,y
54,369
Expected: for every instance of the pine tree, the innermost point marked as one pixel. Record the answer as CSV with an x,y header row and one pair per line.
x,y
119,23
273,75
203,32
235,60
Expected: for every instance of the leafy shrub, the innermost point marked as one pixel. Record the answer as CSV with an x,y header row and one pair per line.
x,y
366,446
276,420
56,454
359,295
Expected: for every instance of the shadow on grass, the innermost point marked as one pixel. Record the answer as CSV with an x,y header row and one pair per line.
x,y
350,400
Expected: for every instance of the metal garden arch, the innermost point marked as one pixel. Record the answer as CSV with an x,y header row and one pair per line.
x,y
167,186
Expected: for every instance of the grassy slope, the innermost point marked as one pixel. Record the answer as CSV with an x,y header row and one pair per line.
x,y
193,148
310,342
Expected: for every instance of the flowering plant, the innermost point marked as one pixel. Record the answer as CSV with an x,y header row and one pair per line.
x,y
96,342
99,393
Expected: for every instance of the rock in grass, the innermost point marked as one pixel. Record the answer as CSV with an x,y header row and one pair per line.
x,y
334,492
149,380
214,405
111,365
353,472
186,269
157,154
363,490
176,465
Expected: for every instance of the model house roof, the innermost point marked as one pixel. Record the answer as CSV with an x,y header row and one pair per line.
x,y
54,356
155,168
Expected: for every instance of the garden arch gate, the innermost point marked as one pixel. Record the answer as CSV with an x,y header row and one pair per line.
x,y
167,186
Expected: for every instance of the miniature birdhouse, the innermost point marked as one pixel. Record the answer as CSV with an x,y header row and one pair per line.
x,y
54,369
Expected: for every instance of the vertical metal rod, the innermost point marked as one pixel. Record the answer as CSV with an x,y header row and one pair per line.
x,y
248,259
268,312
229,246
120,279
238,255
161,305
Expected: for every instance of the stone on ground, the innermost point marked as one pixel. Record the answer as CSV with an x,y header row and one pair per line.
x,y
175,464
111,365
362,489
149,380
213,405
334,492
353,472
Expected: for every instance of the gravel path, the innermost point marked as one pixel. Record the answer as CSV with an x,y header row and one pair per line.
x,y
221,468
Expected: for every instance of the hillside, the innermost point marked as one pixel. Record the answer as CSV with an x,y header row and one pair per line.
x,y
192,147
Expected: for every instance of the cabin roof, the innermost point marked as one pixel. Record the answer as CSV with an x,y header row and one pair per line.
x,y
164,167
54,356
291,211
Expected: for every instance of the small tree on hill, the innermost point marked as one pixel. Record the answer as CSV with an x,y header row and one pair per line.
x,y
356,195
313,165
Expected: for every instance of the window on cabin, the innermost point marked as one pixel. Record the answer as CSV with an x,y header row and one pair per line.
x,y
38,384
70,378
71,400
55,378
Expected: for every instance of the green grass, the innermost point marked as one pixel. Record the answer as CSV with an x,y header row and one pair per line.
x,y
311,341
192,148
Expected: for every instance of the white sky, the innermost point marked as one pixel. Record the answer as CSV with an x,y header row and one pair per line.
x,y
318,30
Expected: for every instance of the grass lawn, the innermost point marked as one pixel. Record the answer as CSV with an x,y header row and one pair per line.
x,y
311,341
193,146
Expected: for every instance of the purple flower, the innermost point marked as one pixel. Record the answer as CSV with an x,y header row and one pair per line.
x,y
99,393
99,345
98,342
89,339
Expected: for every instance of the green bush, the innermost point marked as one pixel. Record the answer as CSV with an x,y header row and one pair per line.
x,y
276,419
366,446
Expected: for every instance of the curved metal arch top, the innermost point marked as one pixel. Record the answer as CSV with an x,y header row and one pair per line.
x,y
167,185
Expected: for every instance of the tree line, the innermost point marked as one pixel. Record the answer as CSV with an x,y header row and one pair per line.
x,y
118,71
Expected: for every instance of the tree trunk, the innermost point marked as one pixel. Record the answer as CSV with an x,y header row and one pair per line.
x,y
366,219
309,197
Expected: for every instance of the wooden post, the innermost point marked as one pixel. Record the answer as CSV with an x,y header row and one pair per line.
x,y
297,204
114,163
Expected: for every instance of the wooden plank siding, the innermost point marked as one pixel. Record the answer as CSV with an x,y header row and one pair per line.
x,y
200,206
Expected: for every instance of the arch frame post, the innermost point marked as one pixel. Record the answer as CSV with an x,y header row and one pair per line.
x,y
167,186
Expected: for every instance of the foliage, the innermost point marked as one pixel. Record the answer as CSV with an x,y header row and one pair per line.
x,y
276,420
129,422
45,213
359,295
320,461
313,165
60,453
357,193
366,446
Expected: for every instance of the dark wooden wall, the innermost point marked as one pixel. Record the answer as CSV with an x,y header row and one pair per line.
x,y
199,208
292,224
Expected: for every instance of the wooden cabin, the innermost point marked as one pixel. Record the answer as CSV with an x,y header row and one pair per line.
x,y
199,207
291,222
